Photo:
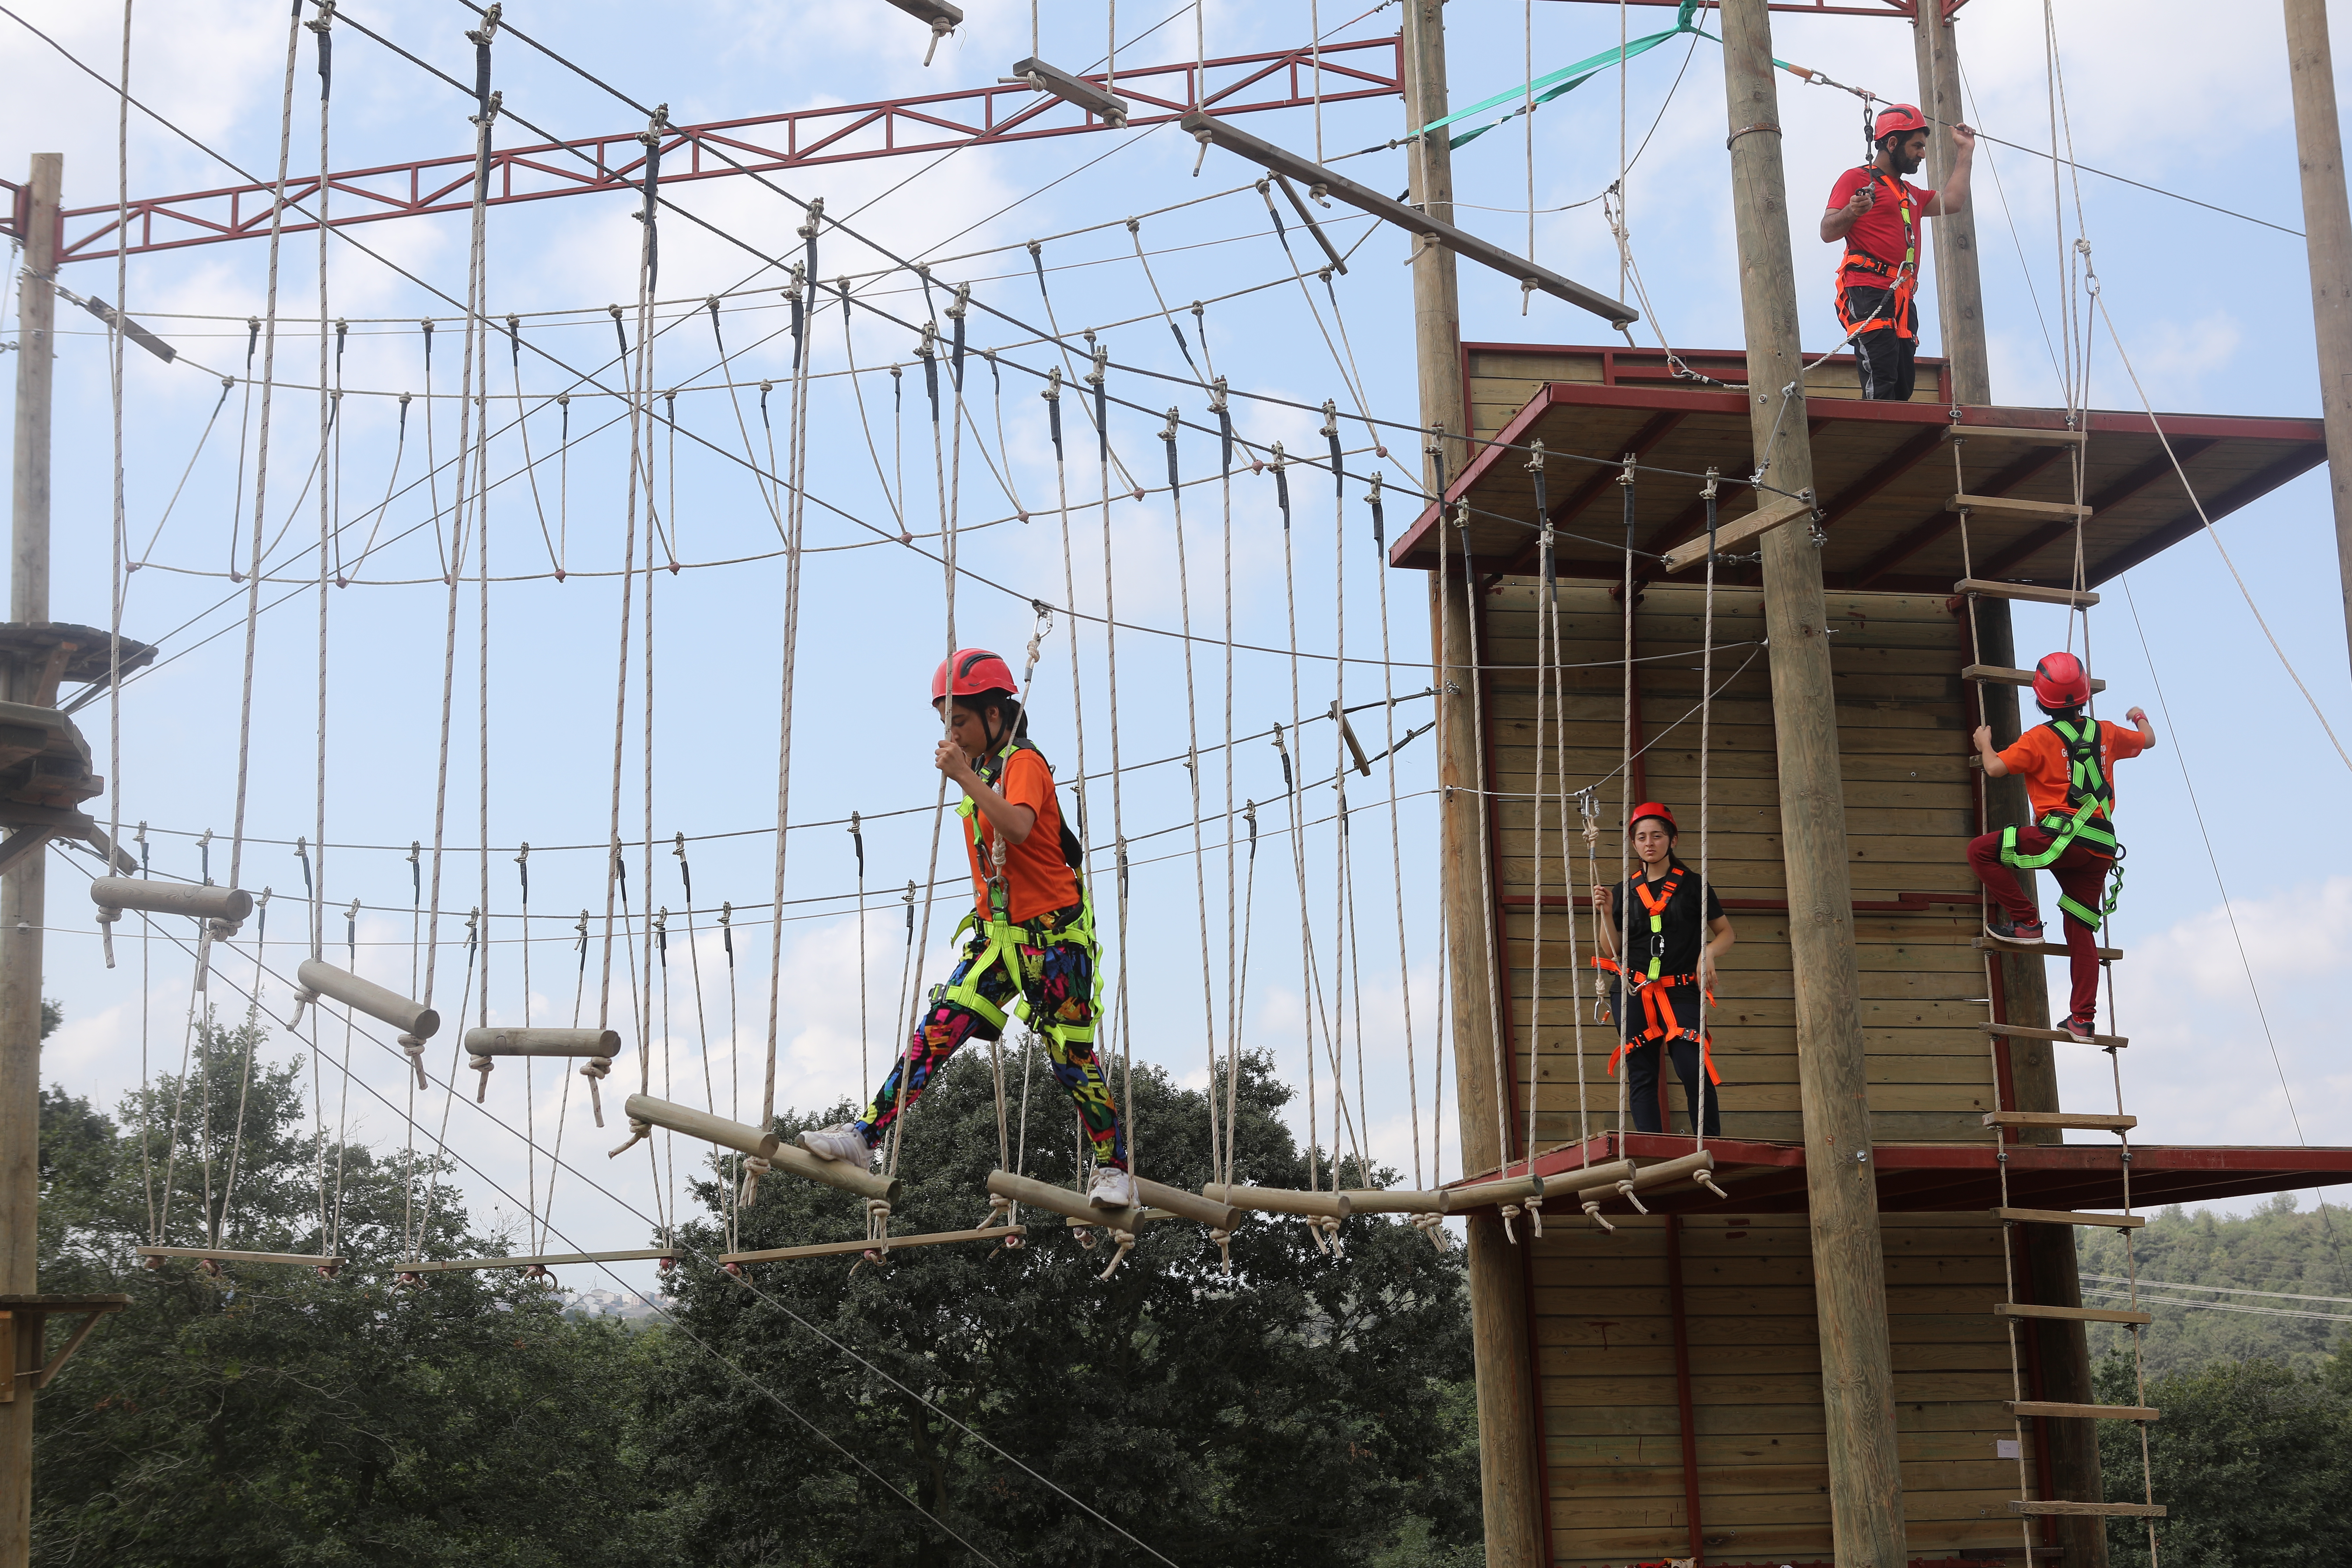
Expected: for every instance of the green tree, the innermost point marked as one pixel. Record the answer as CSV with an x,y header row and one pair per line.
x,y
2278,1247
1308,1411
272,1417
2252,1459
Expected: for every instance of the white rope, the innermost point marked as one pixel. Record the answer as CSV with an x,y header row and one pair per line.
x,y
1486,838
1217,1159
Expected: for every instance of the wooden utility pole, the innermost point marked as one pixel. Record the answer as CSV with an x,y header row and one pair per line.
x,y
1499,1300
23,889
2062,1350
1849,1263
2327,241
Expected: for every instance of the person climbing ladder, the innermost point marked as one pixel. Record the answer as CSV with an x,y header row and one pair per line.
x,y
1877,212
2068,766
1657,952
1032,945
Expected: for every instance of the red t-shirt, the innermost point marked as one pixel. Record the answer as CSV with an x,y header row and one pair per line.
x,y
1877,233
1037,880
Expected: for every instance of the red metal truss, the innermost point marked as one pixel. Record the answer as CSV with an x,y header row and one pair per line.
x,y
934,123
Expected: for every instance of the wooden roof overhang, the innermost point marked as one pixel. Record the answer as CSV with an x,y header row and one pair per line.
x,y
1883,473
1916,1178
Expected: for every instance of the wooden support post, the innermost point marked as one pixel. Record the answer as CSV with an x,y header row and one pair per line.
x,y
2064,1352
1499,1334
24,892
2328,242
1848,1262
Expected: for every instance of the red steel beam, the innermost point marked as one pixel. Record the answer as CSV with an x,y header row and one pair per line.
x,y
805,138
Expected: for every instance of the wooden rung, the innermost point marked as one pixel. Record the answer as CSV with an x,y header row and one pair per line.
x,y
2088,1411
217,1255
1073,1206
504,1042
2088,1123
2033,592
2114,1509
1182,1204
764,1145
385,1006
2046,949
1740,529
2025,1032
2068,1217
2000,674
208,903
1393,1200
842,1248
2069,1314
2024,433
1279,1200
1505,1190
541,1260
2016,503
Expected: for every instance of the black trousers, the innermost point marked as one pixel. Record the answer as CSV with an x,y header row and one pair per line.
x,y
1640,1064
1883,358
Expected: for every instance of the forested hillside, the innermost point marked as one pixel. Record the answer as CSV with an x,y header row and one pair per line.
x,y
2285,1248
1311,1410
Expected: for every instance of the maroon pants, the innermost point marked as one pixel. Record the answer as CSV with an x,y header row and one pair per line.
x,y
2082,874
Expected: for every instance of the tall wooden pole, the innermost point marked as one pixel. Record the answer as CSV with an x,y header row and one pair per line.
x,y
2327,240
2064,1350
1499,1304
1849,1263
23,889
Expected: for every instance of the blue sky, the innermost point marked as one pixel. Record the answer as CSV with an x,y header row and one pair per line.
x,y
2210,309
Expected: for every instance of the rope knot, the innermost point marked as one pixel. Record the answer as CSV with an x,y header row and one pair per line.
x,y
303,997
1325,1230
415,1050
878,1221
482,1065
1431,1225
639,1132
1126,1239
1592,1213
595,1070
107,916
755,1167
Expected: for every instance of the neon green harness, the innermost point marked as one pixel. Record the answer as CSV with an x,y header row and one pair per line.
x,y
2086,817
1005,939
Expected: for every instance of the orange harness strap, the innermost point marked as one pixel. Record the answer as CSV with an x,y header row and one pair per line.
x,y
1904,273
1658,1012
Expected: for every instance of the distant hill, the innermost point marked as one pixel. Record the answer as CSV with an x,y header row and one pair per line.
x,y
2282,1248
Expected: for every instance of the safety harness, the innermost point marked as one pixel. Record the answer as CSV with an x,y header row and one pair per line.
x,y
1006,938
1655,988
2085,818
1903,276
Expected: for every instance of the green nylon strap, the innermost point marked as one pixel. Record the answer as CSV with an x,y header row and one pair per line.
x,y
2088,916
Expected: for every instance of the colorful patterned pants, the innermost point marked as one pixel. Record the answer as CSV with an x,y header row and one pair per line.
x,y
1058,982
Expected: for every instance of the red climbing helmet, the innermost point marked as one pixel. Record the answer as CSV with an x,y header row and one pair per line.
x,y
1652,808
974,670
1895,117
2059,681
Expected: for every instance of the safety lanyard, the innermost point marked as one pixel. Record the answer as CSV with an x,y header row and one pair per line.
x,y
1657,907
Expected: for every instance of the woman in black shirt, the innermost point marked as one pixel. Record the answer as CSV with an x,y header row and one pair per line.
x,y
1650,935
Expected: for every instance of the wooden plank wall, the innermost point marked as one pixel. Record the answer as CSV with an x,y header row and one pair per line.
x,y
1612,1421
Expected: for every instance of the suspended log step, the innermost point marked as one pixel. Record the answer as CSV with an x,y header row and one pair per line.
x,y
538,1260
1158,1200
2023,433
2026,1032
1599,1184
894,1244
1393,1200
2069,1314
2077,1120
2000,674
1740,529
2017,503
385,1006
1280,1200
2045,949
2086,1412
2111,1509
543,1042
207,902
1485,1195
2032,593
646,1112
221,1255
2069,1216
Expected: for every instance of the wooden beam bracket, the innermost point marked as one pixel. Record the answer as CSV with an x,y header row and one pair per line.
x,y
2069,1314
2069,1216
2017,503
1740,529
2032,593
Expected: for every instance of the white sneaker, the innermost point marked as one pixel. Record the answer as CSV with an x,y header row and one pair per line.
x,y
1113,1189
844,1143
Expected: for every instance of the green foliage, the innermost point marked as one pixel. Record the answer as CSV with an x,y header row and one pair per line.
x,y
1309,1411
2253,1459
275,1418
2276,1247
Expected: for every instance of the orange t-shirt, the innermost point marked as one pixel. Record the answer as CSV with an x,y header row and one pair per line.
x,y
2039,757
1037,880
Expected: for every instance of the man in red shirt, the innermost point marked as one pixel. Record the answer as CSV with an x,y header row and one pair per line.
x,y
1877,212
2069,768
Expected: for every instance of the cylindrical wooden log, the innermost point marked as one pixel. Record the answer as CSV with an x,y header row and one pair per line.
x,y
1279,1200
542,1042
1188,1206
366,996
1643,1179
1070,1205
207,902
1486,1194
753,1141
1392,1200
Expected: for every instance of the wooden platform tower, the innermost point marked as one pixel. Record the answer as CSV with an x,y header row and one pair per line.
x,y
1821,1367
